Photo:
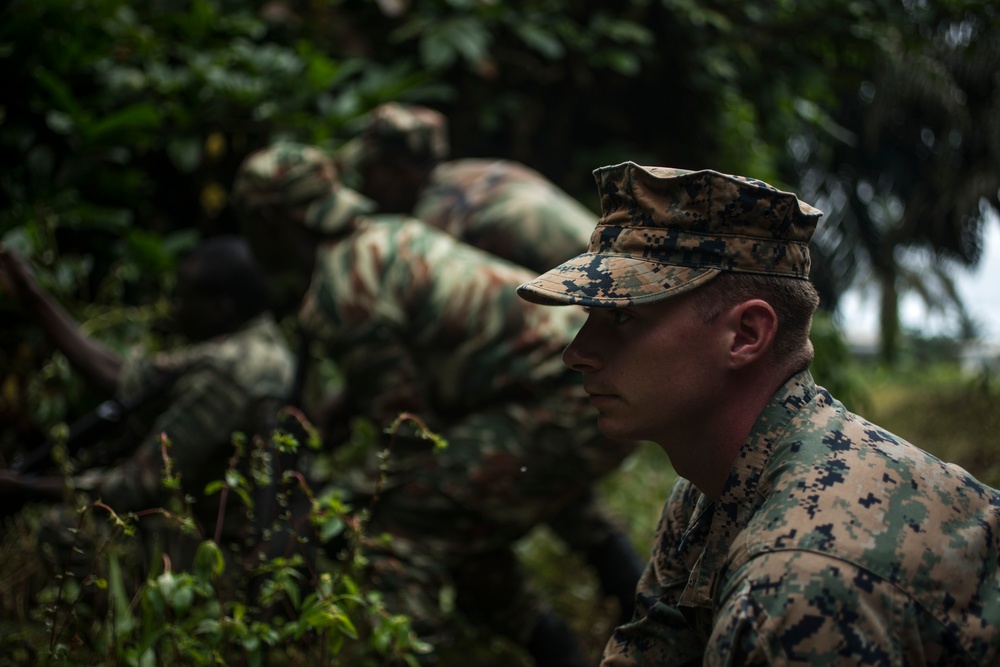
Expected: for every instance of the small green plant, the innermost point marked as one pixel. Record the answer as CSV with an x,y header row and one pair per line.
x,y
281,601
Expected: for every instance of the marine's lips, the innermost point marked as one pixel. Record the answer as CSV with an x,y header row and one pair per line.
x,y
601,396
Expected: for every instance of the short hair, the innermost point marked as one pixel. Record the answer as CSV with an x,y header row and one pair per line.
x,y
224,266
794,301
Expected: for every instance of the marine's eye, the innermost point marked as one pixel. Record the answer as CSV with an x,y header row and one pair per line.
x,y
620,315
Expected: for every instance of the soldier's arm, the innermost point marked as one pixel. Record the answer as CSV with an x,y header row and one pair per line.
x,y
94,360
207,406
659,634
381,375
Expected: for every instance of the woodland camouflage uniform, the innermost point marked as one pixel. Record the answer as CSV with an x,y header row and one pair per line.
x,y
418,321
834,542
232,383
500,206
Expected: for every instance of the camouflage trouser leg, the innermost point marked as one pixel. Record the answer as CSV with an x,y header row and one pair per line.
x,y
505,470
493,591
490,589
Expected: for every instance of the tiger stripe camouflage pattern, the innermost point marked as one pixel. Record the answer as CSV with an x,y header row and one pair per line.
x,y
288,180
500,206
418,321
508,210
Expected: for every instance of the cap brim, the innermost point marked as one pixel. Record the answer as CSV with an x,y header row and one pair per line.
x,y
617,281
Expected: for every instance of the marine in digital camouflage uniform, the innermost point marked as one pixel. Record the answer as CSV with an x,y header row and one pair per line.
x,y
232,378
500,206
799,533
420,322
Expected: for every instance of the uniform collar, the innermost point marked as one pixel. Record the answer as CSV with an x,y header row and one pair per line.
x,y
714,526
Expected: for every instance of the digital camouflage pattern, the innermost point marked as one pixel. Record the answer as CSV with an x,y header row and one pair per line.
x,y
834,543
291,181
665,231
231,383
419,322
500,206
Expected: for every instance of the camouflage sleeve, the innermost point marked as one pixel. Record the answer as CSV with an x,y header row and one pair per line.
x,y
206,407
534,225
359,307
381,376
804,608
659,634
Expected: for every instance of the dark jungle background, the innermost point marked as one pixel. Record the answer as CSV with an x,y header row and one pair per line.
x,y
122,124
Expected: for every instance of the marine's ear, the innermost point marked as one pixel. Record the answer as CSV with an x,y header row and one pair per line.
x,y
753,326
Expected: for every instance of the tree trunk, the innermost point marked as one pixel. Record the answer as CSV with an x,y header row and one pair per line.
x,y
888,317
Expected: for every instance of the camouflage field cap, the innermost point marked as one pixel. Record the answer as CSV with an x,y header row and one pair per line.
x,y
410,130
301,181
665,231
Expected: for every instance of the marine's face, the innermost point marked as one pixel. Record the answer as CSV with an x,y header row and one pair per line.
x,y
653,372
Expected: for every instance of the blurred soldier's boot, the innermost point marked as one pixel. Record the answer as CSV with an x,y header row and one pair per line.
x,y
554,644
618,569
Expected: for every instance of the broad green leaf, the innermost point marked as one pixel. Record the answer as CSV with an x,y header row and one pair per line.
x,y
142,116
540,40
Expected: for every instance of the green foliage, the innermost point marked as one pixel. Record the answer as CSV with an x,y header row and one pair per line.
x,y
122,123
192,608
834,366
904,162
943,409
121,116
122,103
478,33
120,126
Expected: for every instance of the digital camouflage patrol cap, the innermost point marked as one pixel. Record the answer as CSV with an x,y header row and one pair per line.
x,y
665,231
394,129
301,183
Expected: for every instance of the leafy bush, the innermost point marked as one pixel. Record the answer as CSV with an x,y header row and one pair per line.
x,y
310,604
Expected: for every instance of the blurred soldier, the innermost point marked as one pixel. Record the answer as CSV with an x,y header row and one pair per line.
x,y
234,377
422,323
500,206
799,534
504,208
